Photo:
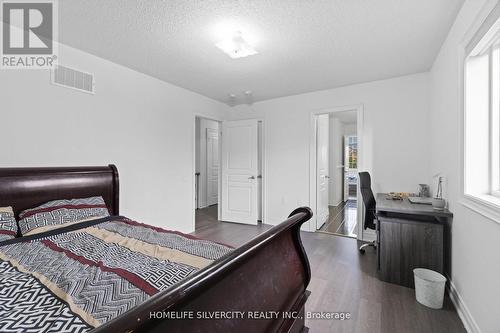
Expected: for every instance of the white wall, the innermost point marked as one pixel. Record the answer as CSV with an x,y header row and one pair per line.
x,y
350,129
336,173
143,125
395,120
475,239
203,125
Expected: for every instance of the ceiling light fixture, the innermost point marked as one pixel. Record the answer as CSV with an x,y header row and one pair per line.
x,y
248,97
236,46
231,101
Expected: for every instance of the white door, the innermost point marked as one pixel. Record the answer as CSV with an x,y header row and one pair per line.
x,y
322,139
212,166
239,171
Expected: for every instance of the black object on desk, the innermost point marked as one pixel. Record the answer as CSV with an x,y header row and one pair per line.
x,y
411,236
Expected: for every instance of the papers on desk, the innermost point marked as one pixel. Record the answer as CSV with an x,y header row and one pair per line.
x,y
398,195
420,200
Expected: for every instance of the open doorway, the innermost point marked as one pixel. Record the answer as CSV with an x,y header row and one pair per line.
x,y
229,171
336,160
207,169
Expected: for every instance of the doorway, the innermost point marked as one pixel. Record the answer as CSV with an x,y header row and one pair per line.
x,y
229,171
207,168
335,161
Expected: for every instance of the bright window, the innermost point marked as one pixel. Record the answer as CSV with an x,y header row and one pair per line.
x,y
352,152
482,116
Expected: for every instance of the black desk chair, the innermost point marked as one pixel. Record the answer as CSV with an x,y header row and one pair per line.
x,y
365,184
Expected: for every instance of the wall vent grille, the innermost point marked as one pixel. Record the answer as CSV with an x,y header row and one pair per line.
x,y
73,79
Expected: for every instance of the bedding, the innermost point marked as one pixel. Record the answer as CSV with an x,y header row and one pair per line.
x,y
72,281
8,224
58,213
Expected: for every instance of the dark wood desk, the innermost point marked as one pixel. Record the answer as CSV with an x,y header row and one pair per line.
x,y
411,236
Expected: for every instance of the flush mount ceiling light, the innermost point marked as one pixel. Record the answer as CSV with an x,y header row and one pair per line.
x,y
246,97
236,46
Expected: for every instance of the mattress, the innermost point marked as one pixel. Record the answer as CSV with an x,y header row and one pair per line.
x,y
78,279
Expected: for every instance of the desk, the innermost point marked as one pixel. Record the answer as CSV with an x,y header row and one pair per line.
x,y
410,236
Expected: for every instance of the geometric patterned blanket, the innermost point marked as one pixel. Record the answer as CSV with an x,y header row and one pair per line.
x,y
76,280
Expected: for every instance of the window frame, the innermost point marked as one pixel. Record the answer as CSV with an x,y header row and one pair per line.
x,y
484,28
494,116
351,141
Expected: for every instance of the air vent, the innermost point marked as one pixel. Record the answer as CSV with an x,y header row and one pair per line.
x,y
74,79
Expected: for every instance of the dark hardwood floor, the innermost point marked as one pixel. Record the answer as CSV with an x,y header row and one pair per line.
x,y
342,219
234,234
345,281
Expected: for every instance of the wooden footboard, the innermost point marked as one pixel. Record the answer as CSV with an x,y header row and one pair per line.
x,y
260,287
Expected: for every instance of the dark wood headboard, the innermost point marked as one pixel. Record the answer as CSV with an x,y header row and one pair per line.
x,y
24,188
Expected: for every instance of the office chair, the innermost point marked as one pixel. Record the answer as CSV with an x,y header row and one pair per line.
x,y
365,184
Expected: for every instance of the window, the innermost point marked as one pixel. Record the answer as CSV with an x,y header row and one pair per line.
x,y
482,116
352,152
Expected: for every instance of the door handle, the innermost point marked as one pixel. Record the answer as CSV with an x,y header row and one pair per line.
x,y
327,177
251,177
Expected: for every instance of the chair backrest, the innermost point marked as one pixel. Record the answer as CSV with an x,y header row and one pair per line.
x,y
365,185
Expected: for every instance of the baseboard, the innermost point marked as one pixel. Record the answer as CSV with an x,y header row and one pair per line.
x,y
462,310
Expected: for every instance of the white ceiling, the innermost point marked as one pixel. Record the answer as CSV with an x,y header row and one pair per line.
x,y
303,45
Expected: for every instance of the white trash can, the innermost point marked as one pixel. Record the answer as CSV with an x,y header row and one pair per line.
x,y
429,287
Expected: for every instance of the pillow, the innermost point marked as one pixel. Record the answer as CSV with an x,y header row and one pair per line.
x,y
60,213
8,224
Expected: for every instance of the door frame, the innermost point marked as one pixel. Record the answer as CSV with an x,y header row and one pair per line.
x,y
313,156
263,184
219,188
207,165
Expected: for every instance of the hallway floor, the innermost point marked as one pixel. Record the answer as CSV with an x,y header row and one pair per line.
x,y
342,220
207,226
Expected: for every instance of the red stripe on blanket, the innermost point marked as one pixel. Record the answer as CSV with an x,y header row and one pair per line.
x,y
131,277
50,209
7,232
158,229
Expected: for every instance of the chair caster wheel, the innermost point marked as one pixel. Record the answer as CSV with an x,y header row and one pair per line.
x,y
362,251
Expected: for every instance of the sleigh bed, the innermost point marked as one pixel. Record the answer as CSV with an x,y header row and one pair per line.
x,y
258,287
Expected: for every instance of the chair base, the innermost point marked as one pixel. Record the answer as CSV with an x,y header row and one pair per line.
x,y
364,246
